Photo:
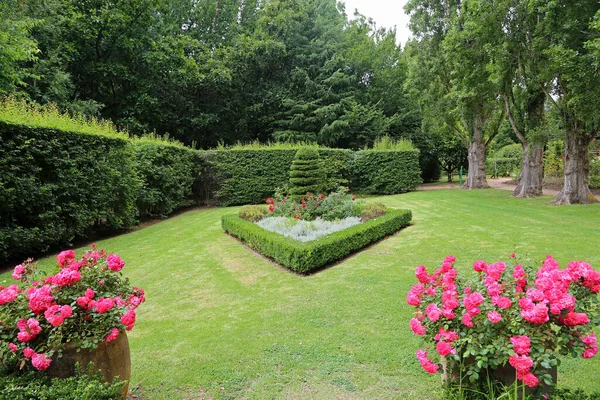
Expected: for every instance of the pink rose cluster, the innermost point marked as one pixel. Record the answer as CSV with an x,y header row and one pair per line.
x,y
444,311
50,301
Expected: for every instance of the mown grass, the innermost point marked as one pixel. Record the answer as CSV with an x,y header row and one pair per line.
x,y
222,322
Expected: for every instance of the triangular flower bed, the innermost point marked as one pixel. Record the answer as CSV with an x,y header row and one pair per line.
x,y
305,257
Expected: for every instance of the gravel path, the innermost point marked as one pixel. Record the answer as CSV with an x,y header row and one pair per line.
x,y
497,183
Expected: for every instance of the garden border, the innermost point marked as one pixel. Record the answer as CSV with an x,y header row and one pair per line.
x,y
306,257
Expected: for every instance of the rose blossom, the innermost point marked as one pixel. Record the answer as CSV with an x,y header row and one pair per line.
x,y
28,329
12,347
28,352
9,294
444,348
494,317
521,363
417,327
18,272
433,312
114,262
521,344
467,320
426,363
104,304
41,361
65,257
129,319
114,333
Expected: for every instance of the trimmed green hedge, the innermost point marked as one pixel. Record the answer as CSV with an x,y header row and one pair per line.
x,y
386,172
58,185
168,174
249,176
304,257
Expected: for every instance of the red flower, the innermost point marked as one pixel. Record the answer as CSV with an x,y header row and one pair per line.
x,y
271,207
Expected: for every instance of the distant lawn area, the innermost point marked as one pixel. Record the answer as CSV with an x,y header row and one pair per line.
x,y
223,322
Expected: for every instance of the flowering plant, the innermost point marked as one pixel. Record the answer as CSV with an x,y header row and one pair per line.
x,y
337,205
522,317
86,302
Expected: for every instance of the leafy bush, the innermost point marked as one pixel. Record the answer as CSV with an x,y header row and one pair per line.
x,y
337,205
253,213
167,172
386,172
502,167
248,175
306,231
514,150
306,257
553,162
372,211
35,386
387,143
56,186
306,173
595,170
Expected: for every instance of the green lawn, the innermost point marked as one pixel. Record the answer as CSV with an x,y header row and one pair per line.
x,y
221,321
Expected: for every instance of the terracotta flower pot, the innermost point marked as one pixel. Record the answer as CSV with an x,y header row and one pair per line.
x,y
112,359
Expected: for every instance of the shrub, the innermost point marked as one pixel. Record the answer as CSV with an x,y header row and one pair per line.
x,y
514,150
88,300
167,172
336,205
502,167
56,186
306,257
372,211
525,317
253,213
595,170
35,386
386,172
306,173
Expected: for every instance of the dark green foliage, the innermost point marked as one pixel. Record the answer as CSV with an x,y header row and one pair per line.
x,y
372,211
56,186
386,172
306,173
245,176
253,213
167,173
36,386
304,257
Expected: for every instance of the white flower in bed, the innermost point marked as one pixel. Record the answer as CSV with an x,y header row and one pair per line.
x,y
306,231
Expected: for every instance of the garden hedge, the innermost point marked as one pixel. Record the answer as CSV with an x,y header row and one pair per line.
x,y
168,174
304,257
58,185
385,171
246,176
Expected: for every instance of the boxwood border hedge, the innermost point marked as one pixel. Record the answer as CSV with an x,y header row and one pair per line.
x,y
305,257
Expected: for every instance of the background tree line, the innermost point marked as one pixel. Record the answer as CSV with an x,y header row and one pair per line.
x,y
222,71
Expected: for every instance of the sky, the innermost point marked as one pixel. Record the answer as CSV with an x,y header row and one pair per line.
x,y
386,13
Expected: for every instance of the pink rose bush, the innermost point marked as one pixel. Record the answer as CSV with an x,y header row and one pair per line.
x,y
516,316
86,301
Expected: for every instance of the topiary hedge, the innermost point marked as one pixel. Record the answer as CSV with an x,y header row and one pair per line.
x,y
304,257
306,172
59,185
385,172
168,174
246,176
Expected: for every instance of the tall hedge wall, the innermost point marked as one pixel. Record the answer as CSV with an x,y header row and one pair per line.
x,y
385,172
251,175
168,173
56,186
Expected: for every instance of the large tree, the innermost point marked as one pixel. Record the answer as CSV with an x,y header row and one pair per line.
x,y
516,63
450,67
566,36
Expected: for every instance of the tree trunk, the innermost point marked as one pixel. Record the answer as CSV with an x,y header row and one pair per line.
x,y
476,178
531,177
575,189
